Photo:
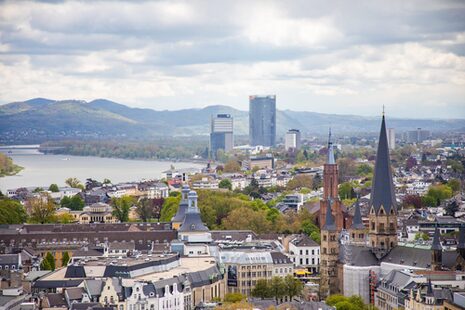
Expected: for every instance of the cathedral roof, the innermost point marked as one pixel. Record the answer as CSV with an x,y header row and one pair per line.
x,y
382,193
192,220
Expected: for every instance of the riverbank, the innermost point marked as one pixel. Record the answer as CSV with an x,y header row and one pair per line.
x,y
8,167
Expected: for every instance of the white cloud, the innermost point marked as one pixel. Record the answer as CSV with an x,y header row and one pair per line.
x,y
173,54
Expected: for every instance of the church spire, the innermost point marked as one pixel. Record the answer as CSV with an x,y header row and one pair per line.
x,y
330,159
382,194
436,246
357,222
461,243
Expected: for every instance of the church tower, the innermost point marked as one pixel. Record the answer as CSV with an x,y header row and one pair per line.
x,y
383,207
436,251
178,218
330,190
329,254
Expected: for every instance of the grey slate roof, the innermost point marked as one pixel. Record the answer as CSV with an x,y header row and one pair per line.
x,y
94,287
56,300
179,216
74,293
280,258
401,255
357,222
304,240
9,259
75,271
382,193
84,306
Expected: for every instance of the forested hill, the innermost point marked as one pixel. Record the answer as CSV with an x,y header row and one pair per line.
x,y
39,119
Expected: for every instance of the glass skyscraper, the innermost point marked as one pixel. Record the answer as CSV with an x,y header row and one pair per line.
x,y
262,120
221,134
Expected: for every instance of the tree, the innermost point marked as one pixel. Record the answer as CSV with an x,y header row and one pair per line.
x,y
48,262
439,192
317,182
169,208
41,209
421,235
74,203
233,297
225,183
12,212
455,185
106,181
300,181
65,258
64,218
145,209
53,188
347,303
364,169
277,288
346,191
74,183
411,162
245,218
412,201
346,167
232,165
262,289
121,207
38,190
293,286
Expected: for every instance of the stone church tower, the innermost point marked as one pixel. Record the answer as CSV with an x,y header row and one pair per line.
x,y
383,209
329,254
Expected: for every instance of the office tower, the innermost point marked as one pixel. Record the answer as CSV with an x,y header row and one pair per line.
x,y
417,136
292,140
391,138
262,120
221,134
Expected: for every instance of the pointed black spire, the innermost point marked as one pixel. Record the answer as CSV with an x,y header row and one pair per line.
x,y
357,222
461,243
436,246
330,160
429,289
329,222
382,193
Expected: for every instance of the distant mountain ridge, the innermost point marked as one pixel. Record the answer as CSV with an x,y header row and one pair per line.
x,y
44,119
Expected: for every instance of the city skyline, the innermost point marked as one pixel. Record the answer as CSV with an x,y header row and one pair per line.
x,y
174,55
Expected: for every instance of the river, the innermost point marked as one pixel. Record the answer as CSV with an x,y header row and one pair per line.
x,y
42,170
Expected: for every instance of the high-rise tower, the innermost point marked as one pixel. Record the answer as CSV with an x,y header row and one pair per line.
x,y
383,207
262,120
330,190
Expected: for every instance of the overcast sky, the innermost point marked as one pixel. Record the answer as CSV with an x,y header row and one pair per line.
x,y
349,57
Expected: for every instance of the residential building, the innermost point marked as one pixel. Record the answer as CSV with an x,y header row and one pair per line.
x,y
259,162
221,134
262,120
304,252
292,140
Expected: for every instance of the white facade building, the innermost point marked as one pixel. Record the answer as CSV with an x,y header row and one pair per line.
x,y
292,140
